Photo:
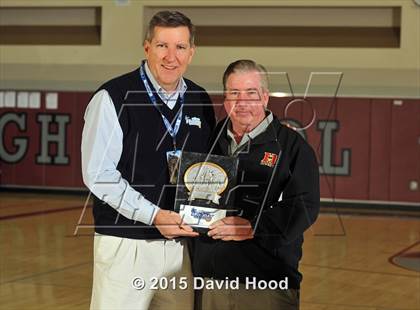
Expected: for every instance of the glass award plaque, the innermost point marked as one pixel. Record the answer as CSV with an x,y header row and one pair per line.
x,y
205,186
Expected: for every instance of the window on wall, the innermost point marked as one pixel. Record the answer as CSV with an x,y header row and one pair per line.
x,y
293,26
50,26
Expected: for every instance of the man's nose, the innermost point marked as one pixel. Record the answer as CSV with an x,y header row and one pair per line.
x,y
171,54
242,98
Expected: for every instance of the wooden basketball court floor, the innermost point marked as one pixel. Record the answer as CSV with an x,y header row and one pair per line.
x,y
346,263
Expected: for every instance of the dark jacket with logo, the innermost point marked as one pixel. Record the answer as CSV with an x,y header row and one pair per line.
x,y
143,162
278,162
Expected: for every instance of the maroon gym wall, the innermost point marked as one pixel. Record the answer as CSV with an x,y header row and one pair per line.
x,y
379,136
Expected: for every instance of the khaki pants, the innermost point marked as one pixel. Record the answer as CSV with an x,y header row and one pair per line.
x,y
243,299
118,261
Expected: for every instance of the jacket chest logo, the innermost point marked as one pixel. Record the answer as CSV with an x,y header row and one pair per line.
x,y
193,121
269,159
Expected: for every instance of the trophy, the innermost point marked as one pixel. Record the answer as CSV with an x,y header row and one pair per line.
x,y
205,186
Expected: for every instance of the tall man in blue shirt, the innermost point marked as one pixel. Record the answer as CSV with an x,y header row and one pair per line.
x,y
134,125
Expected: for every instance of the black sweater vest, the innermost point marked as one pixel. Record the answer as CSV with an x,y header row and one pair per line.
x,y
143,161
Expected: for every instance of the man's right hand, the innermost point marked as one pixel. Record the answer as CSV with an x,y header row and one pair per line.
x,y
170,225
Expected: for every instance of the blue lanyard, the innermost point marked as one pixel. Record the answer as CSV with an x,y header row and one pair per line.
x,y
172,131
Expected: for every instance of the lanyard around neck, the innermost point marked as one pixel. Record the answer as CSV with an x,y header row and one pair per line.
x,y
171,130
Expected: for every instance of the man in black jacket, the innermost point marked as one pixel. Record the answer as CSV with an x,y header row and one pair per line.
x,y
135,124
278,199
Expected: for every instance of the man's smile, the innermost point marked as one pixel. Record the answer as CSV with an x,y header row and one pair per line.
x,y
168,67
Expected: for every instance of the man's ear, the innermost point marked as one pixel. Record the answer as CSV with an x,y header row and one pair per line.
x,y
265,97
192,52
146,47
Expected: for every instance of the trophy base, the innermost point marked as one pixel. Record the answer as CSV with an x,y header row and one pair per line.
x,y
200,218
201,230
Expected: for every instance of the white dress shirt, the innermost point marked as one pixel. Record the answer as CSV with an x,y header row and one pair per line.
x,y
102,145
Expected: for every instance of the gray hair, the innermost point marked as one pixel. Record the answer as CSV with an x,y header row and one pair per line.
x,y
246,65
170,19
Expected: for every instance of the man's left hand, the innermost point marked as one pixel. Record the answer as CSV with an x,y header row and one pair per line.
x,y
231,228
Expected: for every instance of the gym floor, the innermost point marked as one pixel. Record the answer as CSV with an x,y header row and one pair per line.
x,y
349,262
